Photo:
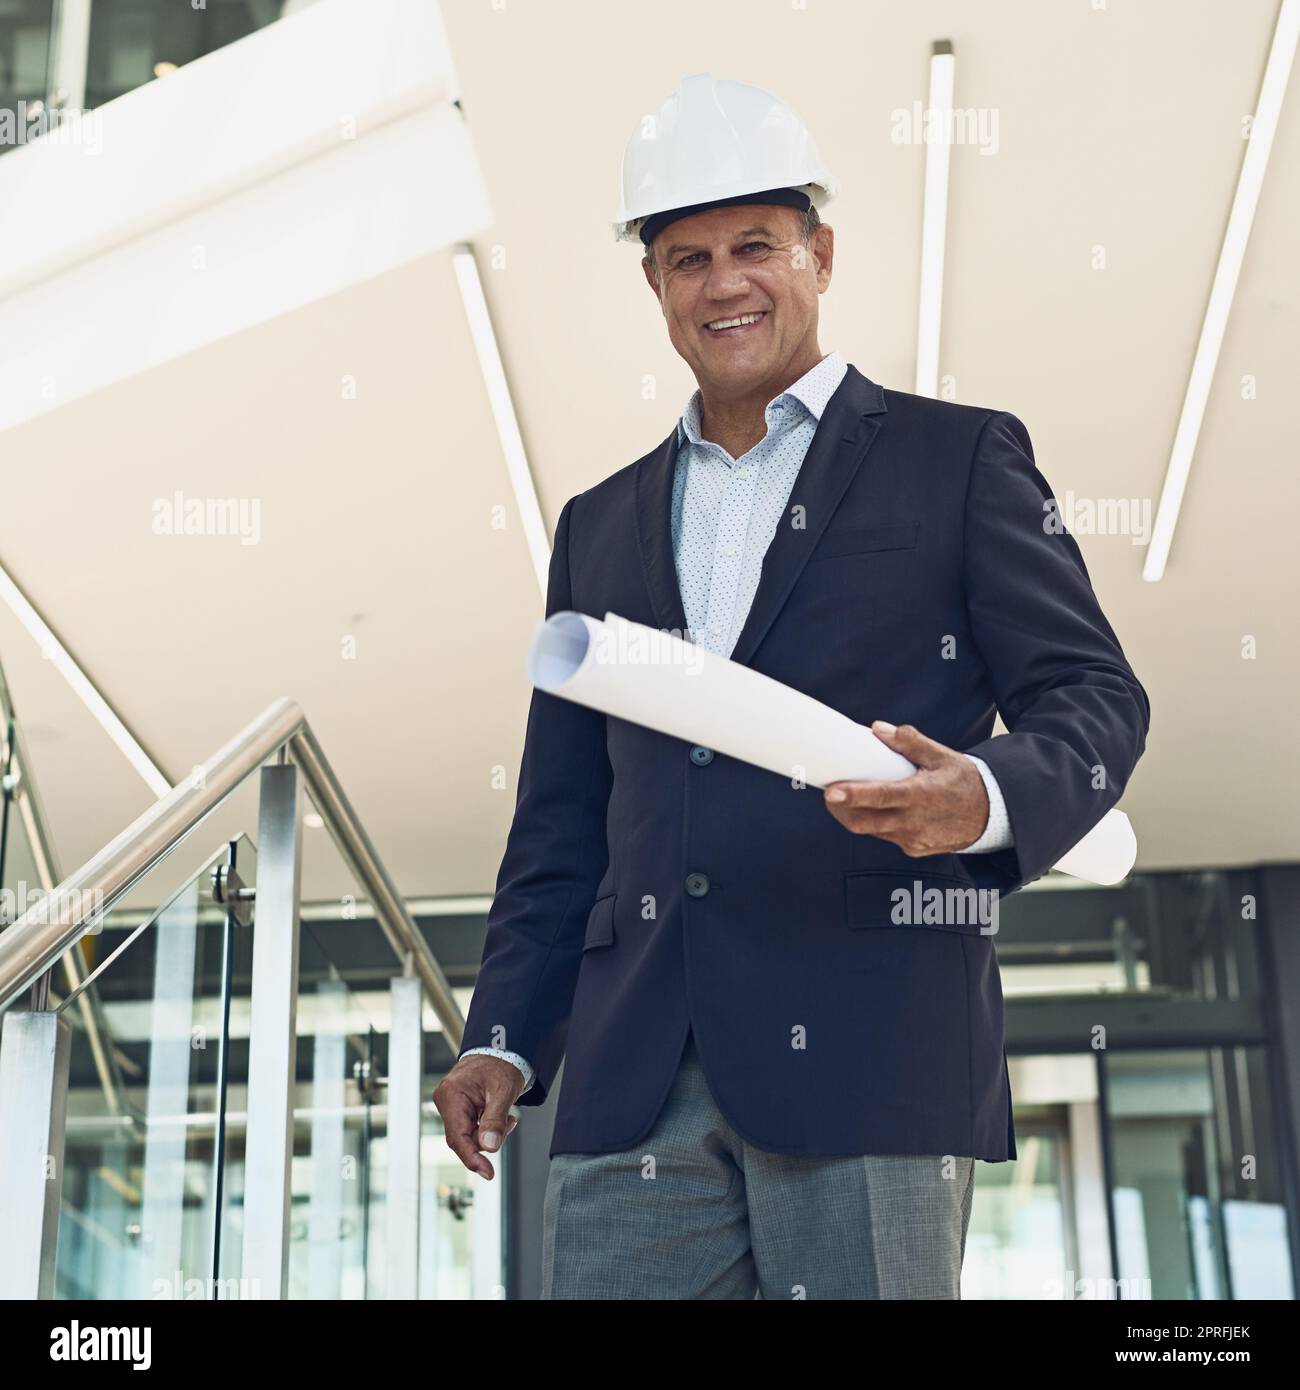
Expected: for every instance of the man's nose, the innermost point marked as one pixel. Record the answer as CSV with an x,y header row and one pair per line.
x,y
726,279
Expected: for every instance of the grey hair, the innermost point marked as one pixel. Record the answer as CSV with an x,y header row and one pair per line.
x,y
809,221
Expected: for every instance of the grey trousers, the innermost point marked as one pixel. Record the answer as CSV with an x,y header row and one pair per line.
x,y
693,1211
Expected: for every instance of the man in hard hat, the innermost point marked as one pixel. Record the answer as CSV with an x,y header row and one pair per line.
x,y
780,1063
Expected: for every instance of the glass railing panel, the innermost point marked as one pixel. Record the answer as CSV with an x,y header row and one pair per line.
x,y
28,869
21,884
6,788
460,1220
330,1237
28,866
341,941
158,1002
344,964
142,1209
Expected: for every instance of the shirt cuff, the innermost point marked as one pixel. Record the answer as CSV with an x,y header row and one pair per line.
x,y
513,1058
997,832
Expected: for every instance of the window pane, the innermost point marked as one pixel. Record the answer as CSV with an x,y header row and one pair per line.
x,y
24,60
1197,1181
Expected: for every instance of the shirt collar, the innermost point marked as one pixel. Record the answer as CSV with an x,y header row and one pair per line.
x,y
813,391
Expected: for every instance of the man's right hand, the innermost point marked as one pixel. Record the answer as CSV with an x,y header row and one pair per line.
x,y
474,1100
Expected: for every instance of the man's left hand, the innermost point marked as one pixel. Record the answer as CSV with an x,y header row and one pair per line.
x,y
940,809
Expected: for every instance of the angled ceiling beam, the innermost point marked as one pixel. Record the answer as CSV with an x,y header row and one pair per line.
x,y
55,652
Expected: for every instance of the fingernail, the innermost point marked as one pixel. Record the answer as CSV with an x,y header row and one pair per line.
x,y
492,1140
885,726
835,794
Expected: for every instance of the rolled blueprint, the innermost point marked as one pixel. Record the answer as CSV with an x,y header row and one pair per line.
x,y
653,678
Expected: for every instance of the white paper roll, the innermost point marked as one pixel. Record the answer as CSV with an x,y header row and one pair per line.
x,y
652,678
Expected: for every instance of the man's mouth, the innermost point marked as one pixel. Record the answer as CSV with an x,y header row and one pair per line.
x,y
737,324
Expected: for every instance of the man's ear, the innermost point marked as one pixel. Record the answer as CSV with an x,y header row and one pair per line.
x,y
649,273
823,248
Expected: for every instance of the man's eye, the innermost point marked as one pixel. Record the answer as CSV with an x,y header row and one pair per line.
x,y
686,260
756,246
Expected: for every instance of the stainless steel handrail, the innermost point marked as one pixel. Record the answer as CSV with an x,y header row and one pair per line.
x,y
40,936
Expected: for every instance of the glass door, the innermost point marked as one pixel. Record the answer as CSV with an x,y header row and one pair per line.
x,y
1197,1185
1141,1175
1038,1227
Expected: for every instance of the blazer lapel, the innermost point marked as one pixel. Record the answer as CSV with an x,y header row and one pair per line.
x,y
847,429
844,434
654,531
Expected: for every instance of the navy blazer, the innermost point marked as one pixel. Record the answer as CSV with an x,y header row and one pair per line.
x,y
917,577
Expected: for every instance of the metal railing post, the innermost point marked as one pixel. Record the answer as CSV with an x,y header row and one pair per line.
x,y
272,1045
35,1050
405,1075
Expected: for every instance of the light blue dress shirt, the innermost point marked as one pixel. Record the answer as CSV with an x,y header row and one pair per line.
x,y
724,515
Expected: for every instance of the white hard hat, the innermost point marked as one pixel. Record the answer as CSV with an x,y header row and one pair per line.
x,y
715,141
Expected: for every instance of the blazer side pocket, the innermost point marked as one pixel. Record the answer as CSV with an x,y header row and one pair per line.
x,y
600,923
875,898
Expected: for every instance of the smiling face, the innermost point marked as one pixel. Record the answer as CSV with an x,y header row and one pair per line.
x,y
738,287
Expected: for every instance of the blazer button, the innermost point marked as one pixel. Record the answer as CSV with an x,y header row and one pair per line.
x,y
697,885
701,757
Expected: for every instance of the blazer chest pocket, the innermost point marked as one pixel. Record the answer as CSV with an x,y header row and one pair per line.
x,y
867,540
938,902
600,923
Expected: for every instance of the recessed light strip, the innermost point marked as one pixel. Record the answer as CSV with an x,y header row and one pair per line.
x,y
1249,183
503,410
937,133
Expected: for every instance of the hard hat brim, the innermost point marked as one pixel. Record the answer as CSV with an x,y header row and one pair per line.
x,y
647,226
778,197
